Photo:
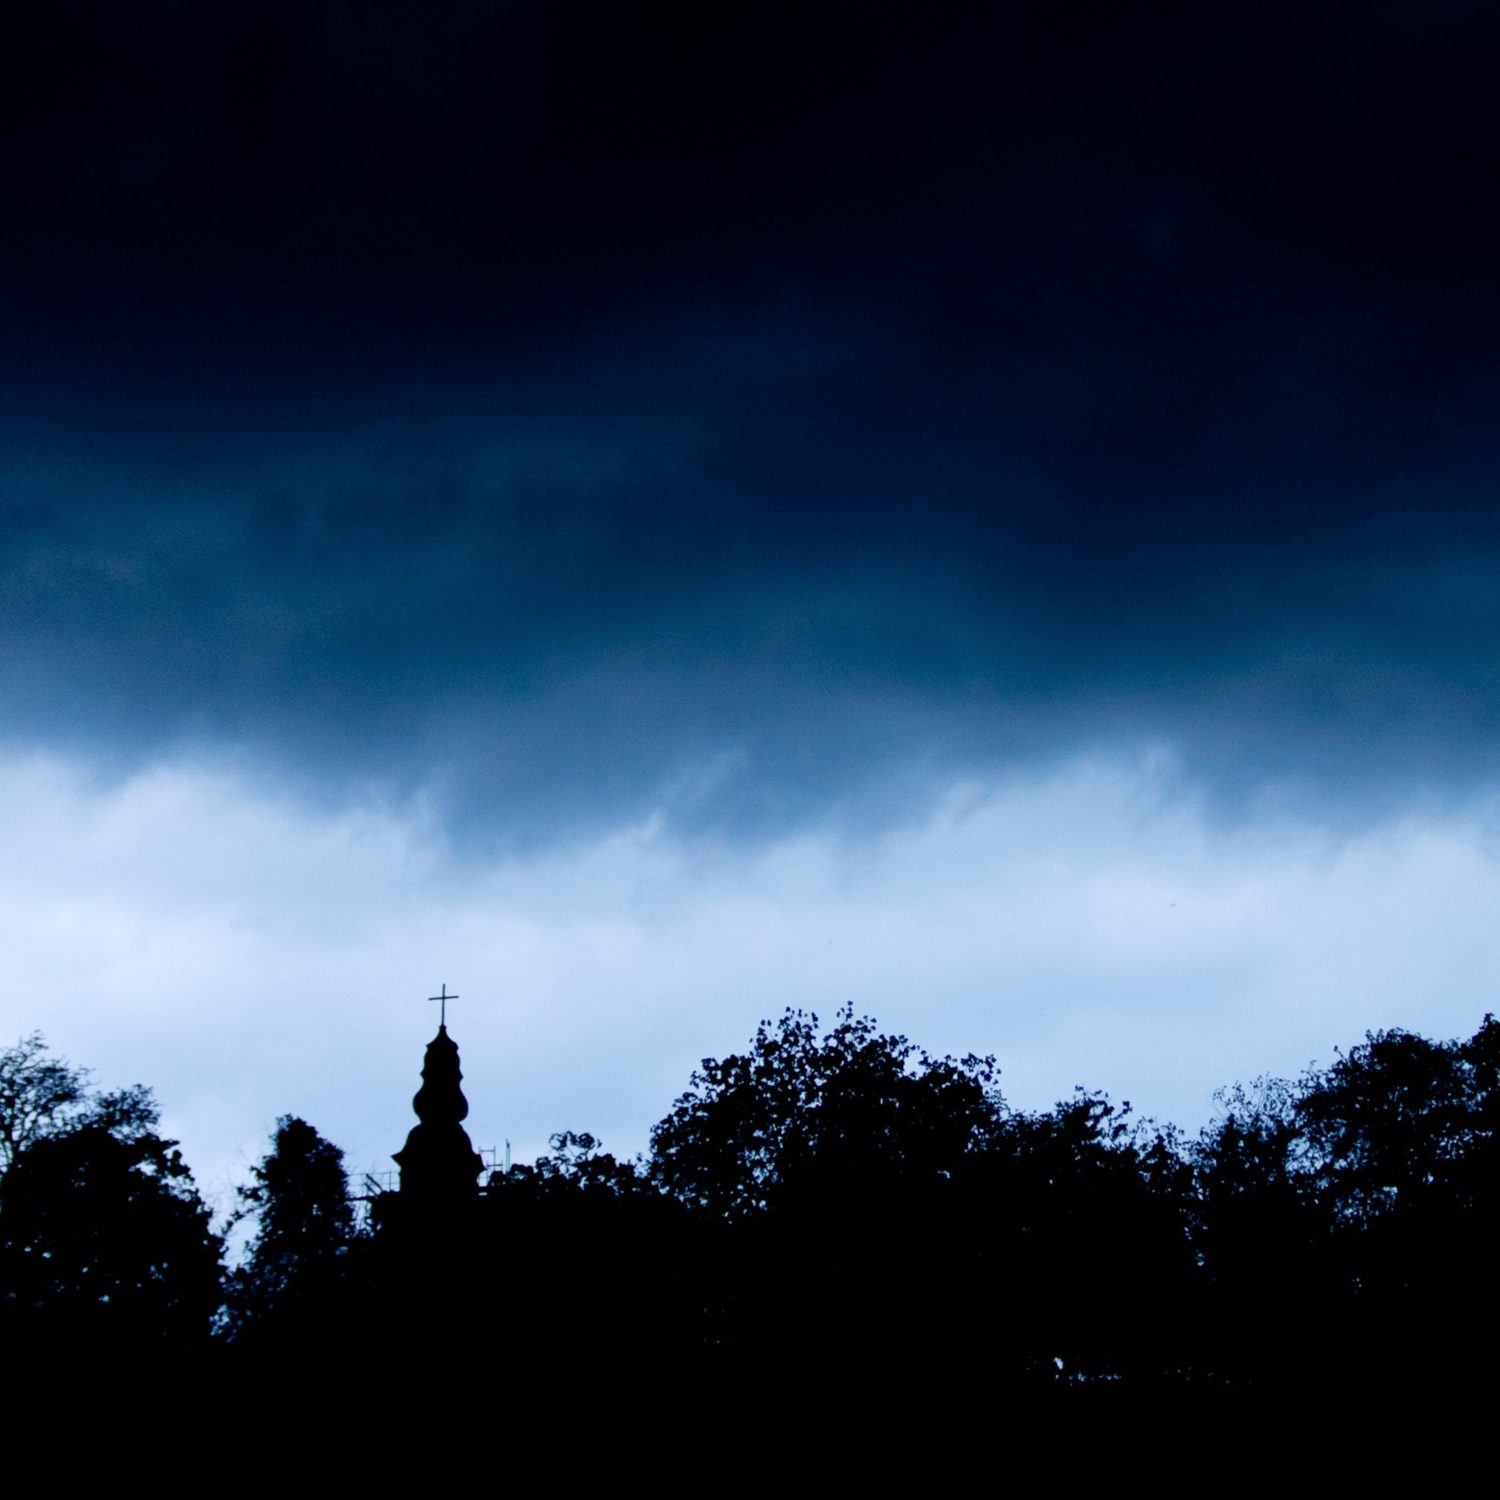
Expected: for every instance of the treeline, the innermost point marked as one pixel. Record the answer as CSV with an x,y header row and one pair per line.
x,y
827,1206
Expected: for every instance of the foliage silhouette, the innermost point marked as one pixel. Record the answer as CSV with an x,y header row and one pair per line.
x,y
573,1263
106,1248
1260,1233
105,1245
1348,1202
1401,1153
292,1277
800,1117
886,1209
828,1208
43,1096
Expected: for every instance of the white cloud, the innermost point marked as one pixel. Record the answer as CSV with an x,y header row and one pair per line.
x,y
247,959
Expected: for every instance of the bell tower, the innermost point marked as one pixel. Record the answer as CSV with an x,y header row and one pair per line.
x,y
439,1163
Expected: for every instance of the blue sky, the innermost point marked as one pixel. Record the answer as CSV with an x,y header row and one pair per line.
x,y
985,515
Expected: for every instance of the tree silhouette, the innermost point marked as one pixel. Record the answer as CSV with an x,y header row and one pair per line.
x,y
105,1244
1401,1150
827,1206
825,1170
43,1096
1261,1232
105,1248
886,1209
297,1260
801,1117
1352,1201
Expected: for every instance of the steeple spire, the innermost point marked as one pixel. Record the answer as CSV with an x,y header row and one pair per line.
x,y
439,1162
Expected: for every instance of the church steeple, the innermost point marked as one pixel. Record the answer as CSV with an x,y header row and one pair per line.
x,y
439,1162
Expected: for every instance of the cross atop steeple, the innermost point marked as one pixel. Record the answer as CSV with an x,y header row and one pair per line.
x,y
438,1162
443,1000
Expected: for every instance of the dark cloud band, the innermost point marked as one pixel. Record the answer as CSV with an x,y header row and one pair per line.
x,y
575,408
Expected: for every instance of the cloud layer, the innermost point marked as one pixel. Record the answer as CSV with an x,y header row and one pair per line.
x,y
571,412
186,931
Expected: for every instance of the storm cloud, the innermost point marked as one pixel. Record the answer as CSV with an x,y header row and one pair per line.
x,y
768,416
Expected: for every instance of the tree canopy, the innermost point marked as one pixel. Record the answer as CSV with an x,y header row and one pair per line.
x,y
801,1116
829,1200
298,1199
105,1244
42,1096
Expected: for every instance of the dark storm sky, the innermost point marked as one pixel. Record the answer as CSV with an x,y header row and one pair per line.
x,y
761,411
